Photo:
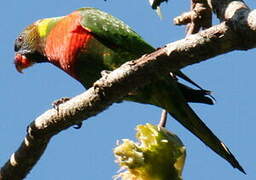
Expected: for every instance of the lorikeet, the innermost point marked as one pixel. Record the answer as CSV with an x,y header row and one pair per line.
x,y
88,41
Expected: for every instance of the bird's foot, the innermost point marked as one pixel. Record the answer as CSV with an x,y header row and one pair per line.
x,y
62,100
98,84
58,102
105,73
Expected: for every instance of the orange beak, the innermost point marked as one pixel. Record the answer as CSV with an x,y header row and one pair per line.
x,y
21,62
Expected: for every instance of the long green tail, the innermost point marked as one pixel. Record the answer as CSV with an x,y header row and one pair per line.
x,y
169,95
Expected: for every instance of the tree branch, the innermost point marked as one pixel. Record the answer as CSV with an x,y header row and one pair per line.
x,y
199,17
111,88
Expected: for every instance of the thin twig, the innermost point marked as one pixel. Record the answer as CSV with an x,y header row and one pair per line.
x,y
163,119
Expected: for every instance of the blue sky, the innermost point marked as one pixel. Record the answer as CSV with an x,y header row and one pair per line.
x,y
87,153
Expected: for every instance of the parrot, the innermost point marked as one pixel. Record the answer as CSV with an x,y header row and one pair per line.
x,y
88,41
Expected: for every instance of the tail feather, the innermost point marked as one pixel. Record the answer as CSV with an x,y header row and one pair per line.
x,y
186,78
195,96
196,126
173,97
175,103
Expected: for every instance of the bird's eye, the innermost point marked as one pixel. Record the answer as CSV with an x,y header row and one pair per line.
x,y
18,43
20,39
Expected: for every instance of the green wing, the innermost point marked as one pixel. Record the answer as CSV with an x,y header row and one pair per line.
x,y
113,32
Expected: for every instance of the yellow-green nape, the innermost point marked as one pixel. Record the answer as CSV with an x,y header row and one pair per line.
x,y
45,25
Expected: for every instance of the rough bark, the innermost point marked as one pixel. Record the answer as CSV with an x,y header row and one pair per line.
x,y
236,32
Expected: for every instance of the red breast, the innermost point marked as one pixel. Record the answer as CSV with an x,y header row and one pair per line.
x,y
64,42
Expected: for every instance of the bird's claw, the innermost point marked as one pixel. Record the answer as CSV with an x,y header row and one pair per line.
x,y
78,125
105,73
57,102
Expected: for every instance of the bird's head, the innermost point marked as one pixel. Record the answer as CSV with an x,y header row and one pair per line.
x,y
28,47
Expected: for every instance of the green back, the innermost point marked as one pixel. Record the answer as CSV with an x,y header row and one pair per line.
x,y
114,33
